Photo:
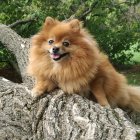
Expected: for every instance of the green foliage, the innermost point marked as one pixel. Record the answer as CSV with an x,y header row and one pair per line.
x,y
138,135
13,10
115,24
133,78
115,31
5,57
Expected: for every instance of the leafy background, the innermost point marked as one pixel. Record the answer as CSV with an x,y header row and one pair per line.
x,y
114,23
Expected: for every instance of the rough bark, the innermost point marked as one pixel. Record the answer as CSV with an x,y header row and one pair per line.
x,y
56,116
19,47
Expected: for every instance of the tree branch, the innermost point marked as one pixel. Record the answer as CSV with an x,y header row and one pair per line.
x,y
20,22
89,10
19,47
58,116
84,12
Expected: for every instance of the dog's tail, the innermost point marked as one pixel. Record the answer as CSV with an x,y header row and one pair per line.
x,y
134,97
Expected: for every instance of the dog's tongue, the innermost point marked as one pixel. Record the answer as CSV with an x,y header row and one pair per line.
x,y
55,56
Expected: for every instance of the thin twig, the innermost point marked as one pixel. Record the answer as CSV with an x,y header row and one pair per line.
x,y
20,22
85,12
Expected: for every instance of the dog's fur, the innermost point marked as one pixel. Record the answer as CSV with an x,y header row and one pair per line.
x,y
83,68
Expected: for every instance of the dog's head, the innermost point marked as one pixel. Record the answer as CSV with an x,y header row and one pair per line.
x,y
66,40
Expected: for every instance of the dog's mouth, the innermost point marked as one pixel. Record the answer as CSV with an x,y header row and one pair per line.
x,y
57,56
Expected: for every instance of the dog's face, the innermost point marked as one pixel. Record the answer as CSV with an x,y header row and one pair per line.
x,y
64,40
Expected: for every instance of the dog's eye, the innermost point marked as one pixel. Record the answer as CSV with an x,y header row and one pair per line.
x,y
50,41
66,43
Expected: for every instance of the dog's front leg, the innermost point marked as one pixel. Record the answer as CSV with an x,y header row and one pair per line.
x,y
98,91
41,86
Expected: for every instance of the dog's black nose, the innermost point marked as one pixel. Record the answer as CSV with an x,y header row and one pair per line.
x,y
55,49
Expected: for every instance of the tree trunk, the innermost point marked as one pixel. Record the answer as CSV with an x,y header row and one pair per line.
x,y
56,116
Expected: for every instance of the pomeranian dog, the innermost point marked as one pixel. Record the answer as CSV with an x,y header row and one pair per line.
x,y
65,55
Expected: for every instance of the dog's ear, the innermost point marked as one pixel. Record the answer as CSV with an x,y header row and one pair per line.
x,y
75,25
49,22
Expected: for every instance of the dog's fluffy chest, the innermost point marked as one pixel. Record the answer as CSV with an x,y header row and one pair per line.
x,y
70,80
75,86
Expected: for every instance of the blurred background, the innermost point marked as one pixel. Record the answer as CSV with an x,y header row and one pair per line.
x,y
114,23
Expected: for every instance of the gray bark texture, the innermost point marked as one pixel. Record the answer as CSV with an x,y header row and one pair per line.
x,y
56,115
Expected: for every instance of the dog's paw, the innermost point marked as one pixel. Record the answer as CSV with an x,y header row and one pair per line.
x,y
36,93
107,106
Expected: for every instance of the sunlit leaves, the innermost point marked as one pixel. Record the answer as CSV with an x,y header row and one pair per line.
x,y
115,23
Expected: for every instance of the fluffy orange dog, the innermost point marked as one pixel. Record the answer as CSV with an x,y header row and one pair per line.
x,y
65,55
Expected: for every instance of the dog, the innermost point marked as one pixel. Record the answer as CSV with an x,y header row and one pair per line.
x,y
64,54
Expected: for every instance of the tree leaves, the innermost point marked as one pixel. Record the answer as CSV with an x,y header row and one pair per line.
x,y
115,24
